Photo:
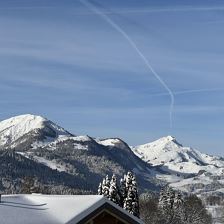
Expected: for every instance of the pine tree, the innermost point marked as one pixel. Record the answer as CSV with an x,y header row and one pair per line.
x,y
135,203
113,191
170,198
178,201
100,189
131,201
166,202
163,198
106,186
128,202
122,191
178,208
128,180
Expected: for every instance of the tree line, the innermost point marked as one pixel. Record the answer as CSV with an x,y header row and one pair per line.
x,y
169,207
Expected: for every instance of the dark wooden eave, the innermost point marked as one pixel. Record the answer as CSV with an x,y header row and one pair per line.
x,y
112,210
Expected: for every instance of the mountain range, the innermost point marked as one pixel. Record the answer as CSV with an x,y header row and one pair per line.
x,y
62,162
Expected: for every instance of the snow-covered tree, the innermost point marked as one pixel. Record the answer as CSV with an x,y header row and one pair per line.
x,y
166,205
106,186
125,195
128,180
178,201
188,210
113,191
195,211
178,208
148,203
135,203
170,198
100,189
131,201
122,191
162,198
128,202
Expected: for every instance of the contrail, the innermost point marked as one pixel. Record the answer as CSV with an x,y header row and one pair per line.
x,y
138,51
189,91
197,91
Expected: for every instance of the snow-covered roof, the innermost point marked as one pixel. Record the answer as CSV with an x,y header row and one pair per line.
x,y
52,209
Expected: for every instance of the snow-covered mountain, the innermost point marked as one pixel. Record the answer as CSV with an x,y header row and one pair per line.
x,y
80,161
35,145
28,129
183,167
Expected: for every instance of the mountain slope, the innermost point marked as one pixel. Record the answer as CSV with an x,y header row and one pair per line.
x,y
15,169
83,156
39,140
183,167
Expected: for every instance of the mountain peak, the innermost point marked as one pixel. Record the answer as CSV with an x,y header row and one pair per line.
x,y
167,151
163,150
17,127
22,124
162,142
23,117
170,138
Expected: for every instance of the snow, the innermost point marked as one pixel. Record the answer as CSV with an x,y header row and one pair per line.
x,y
114,142
51,145
13,128
168,152
51,209
179,164
217,213
82,138
78,142
50,163
165,150
45,142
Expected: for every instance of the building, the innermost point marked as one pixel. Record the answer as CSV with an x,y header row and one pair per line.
x,y
62,209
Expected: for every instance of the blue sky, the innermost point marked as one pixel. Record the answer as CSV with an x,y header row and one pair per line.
x,y
62,60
